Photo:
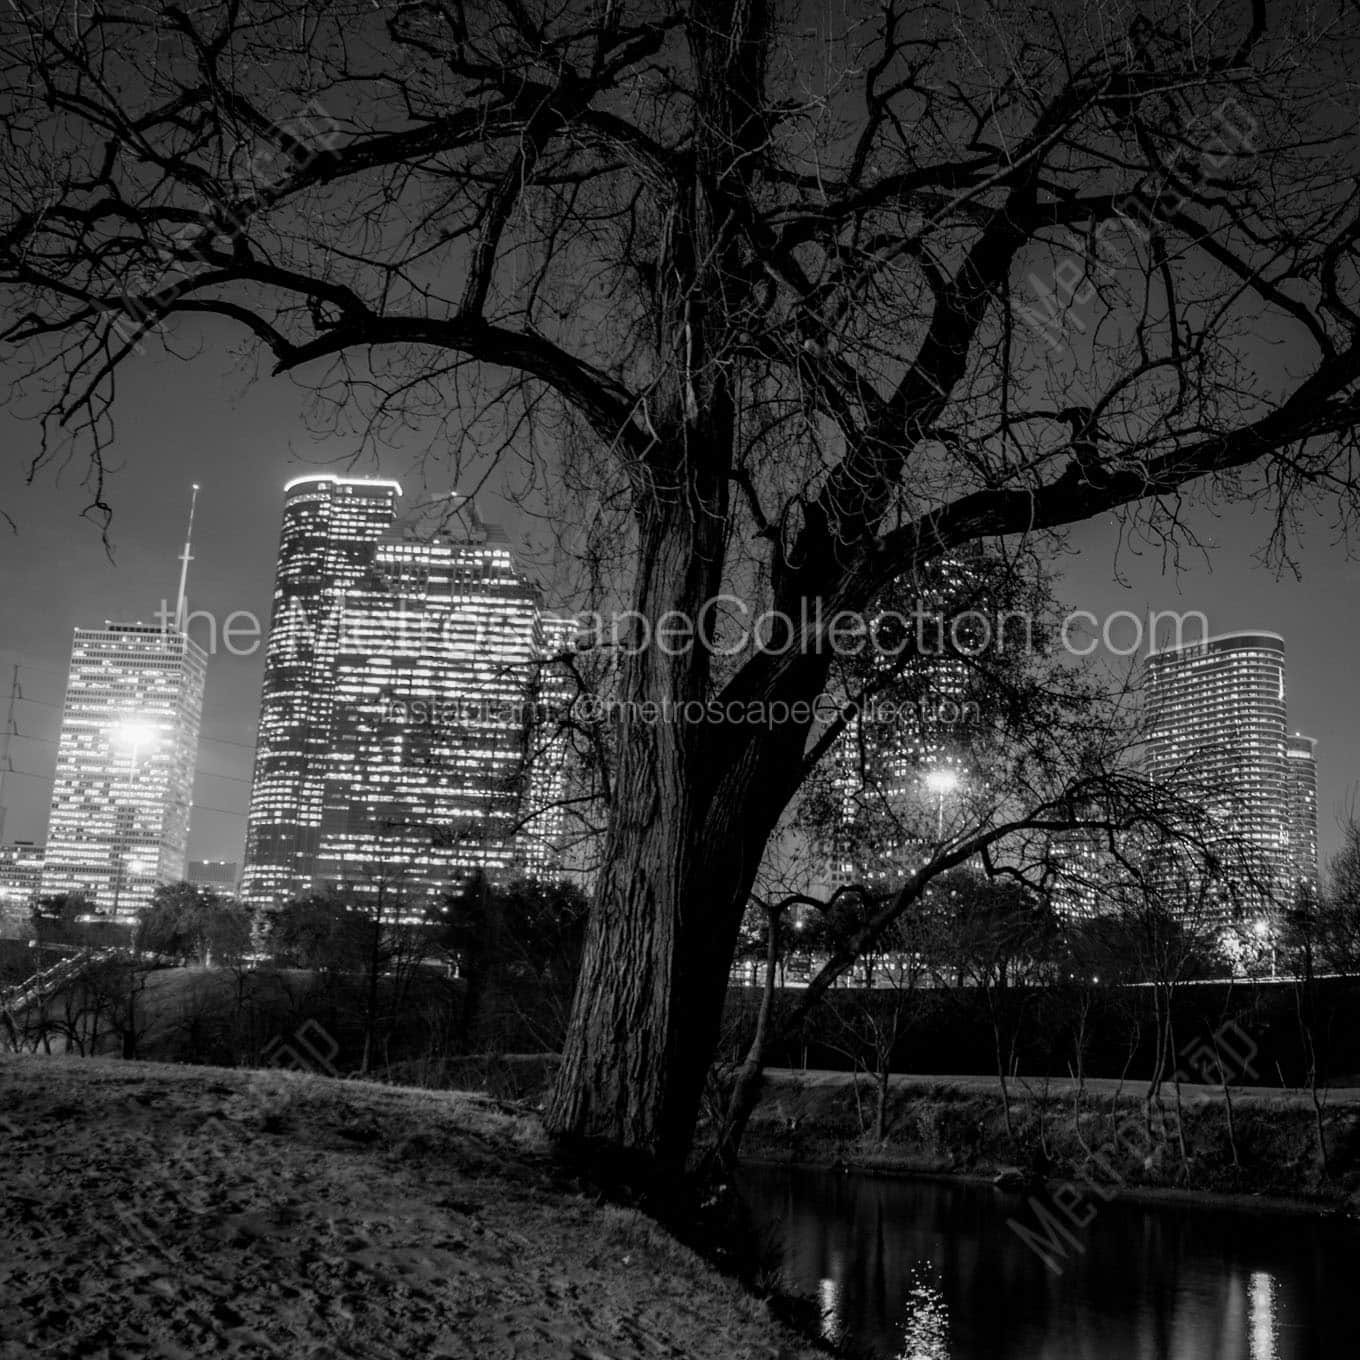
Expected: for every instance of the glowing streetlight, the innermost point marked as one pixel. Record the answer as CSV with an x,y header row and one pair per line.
x,y
1261,929
940,782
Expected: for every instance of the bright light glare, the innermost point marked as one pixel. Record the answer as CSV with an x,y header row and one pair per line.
x,y
133,734
1262,928
942,781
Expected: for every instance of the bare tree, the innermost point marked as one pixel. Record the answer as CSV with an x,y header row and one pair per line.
x,y
791,312
868,1023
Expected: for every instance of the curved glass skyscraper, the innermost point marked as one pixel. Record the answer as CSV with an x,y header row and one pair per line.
x,y
1216,727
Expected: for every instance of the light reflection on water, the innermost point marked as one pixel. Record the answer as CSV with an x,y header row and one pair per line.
x,y
925,1333
1262,1296
917,1270
828,1296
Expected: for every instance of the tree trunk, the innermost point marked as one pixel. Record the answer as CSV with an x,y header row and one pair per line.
x,y
694,803
371,995
750,1078
1001,1074
654,976
884,1077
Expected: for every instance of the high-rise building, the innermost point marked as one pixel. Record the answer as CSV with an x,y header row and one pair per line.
x,y
1301,766
125,765
893,779
1216,730
1079,866
124,785
330,525
21,865
403,699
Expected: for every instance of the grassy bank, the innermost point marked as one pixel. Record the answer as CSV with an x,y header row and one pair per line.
x,y
173,1212
1264,1143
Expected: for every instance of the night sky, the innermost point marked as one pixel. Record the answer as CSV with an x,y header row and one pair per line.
x,y
203,421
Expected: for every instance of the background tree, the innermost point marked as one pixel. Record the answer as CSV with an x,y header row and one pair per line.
x,y
998,936
519,950
1337,928
789,313
58,919
376,941
1174,906
195,924
870,1023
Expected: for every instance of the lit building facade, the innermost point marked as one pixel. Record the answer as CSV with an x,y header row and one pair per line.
x,y
119,823
21,866
404,698
1079,861
893,783
330,527
1216,729
1301,771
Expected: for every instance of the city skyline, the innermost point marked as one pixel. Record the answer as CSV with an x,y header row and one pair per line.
x,y
220,797
388,491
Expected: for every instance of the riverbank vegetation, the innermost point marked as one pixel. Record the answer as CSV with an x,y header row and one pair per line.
x,y
1253,1142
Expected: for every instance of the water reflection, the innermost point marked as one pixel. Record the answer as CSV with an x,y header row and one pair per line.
x,y
1262,1296
925,1333
917,1270
833,1322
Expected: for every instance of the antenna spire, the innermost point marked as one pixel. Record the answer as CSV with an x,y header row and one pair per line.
x,y
11,731
181,603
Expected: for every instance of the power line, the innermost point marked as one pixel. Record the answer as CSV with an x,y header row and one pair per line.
x,y
195,807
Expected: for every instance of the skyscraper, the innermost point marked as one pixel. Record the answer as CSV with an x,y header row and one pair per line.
x,y
119,824
1301,764
330,525
125,765
892,783
21,867
403,699
1216,728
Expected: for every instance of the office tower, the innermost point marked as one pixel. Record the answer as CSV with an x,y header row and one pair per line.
x,y
125,765
401,702
1301,767
21,865
1079,868
330,525
1216,730
895,773
125,759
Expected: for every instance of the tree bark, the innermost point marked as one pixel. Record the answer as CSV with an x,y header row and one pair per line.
x,y
694,804
659,947
750,1078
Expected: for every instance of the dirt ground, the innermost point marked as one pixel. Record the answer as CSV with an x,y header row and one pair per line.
x,y
149,1210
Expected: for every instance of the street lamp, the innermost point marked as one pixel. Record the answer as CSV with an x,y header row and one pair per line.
x,y
1261,929
940,782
